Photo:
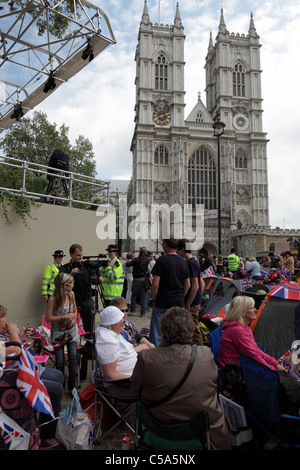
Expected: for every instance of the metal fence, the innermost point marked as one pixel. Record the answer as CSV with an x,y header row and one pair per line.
x,y
64,187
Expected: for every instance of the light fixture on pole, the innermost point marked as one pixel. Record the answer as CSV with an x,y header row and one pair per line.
x,y
219,127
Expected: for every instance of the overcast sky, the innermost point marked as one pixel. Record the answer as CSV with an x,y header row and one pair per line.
x,y
99,101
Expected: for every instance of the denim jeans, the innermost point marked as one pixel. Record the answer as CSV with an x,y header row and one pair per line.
x,y
138,285
72,360
155,333
53,380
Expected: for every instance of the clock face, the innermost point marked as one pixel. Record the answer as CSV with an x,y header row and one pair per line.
x,y
161,117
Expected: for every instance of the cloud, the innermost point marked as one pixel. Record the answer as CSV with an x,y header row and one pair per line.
x,y
99,101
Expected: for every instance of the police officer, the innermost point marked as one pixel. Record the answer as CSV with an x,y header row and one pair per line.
x,y
112,276
233,261
50,273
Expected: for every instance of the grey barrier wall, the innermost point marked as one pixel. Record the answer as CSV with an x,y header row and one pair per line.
x,y
25,253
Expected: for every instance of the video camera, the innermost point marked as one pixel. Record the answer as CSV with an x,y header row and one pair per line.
x,y
93,266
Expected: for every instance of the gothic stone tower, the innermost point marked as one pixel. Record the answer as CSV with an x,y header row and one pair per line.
x,y
175,159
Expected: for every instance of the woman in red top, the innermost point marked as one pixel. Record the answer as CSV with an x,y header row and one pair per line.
x,y
237,337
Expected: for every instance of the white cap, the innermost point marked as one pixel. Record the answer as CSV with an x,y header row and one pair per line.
x,y
111,315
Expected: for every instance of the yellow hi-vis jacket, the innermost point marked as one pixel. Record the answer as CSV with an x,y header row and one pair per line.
x,y
50,273
233,262
113,280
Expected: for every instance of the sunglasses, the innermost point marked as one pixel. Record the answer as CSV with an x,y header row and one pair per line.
x,y
126,310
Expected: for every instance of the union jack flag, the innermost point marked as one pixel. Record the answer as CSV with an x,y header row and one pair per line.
x,y
246,283
284,274
265,271
209,272
9,435
30,385
286,291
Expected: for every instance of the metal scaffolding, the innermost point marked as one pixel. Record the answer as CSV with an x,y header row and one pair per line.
x,y
42,45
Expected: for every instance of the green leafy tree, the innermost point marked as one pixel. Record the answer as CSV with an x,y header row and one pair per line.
x,y
58,25
34,140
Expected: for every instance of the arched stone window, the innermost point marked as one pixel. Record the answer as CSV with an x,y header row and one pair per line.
x,y
202,187
238,80
161,73
161,155
241,159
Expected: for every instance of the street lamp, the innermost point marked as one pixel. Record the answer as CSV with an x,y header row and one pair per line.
x,y
219,127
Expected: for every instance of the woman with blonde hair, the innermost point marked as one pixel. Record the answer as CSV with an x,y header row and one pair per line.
x,y
237,336
62,313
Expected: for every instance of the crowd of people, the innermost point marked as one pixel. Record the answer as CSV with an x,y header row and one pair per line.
x,y
153,359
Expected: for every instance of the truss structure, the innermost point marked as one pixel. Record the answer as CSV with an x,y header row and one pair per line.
x,y
41,40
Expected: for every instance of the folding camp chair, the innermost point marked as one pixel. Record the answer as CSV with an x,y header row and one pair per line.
x,y
213,338
263,404
230,378
51,355
119,406
181,435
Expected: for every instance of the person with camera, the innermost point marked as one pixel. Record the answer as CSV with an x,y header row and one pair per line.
x,y
112,276
82,285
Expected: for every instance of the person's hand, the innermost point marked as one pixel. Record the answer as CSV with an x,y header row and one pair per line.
x,y
144,346
279,367
46,297
25,334
72,323
75,270
147,343
101,279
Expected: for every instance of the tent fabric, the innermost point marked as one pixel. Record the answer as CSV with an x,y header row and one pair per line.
x,y
222,292
286,291
273,328
257,286
258,298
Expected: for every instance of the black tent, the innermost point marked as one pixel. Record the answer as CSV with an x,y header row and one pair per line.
x,y
222,292
273,328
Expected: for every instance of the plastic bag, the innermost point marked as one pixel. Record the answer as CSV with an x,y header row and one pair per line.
x,y
291,360
74,428
12,436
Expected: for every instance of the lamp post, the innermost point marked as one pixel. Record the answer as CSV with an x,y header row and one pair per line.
x,y
219,127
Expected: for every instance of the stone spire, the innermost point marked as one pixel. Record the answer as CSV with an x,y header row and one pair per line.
x,y
177,21
211,44
252,29
222,25
145,17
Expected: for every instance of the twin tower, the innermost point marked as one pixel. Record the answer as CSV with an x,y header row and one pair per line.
x,y
175,157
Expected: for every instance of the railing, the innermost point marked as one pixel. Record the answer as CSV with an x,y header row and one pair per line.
x,y
89,185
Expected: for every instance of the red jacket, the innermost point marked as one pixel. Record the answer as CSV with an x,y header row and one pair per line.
x,y
237,338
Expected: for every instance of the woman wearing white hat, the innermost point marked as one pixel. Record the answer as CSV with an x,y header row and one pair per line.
x,y
116,356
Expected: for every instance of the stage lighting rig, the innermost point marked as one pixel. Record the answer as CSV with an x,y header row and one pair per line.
x,y
50,83
88,52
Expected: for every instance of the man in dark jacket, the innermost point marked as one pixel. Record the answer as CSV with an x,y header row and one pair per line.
x,y
140,269
82,285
